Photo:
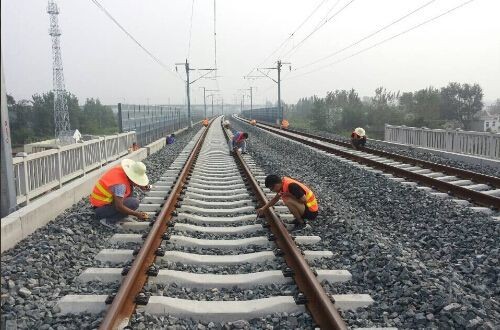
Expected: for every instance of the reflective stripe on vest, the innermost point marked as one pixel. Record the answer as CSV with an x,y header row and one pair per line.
x,y
101,194
106,195
311,202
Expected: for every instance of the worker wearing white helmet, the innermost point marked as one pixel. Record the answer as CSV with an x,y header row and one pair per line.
x,y
358,138
112,197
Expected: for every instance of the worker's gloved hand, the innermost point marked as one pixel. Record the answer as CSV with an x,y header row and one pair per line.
x,y
146,188
260,212
143,216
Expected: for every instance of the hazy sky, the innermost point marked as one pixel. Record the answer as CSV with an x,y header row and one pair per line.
x,y
101,61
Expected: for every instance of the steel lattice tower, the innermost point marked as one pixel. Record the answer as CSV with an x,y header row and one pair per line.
x,y
61,113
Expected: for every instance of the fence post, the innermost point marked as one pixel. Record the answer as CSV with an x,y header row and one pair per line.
x,y
59,166
105,150
83,158
26,180
492,144
118,145
99,152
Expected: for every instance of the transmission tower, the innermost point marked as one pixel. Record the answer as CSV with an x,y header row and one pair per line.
x,y
61,114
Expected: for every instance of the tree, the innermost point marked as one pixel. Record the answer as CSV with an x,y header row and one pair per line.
x,y
461,102
347,110
319,114
33,120
43,112
427,106
97,118
384,110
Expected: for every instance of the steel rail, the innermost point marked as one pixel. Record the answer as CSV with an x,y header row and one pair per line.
x,y
123,305
318,303
449,188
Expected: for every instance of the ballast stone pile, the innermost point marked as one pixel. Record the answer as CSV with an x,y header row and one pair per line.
x,y
426,262
412,152
43,268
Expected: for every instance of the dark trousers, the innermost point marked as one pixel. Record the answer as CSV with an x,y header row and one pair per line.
x,y
358,143
110,212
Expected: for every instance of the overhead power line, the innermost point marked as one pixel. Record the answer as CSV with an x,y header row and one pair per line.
x,y
293,33
385,40
215,46
366,37
317,28
328,12
157,60
190,29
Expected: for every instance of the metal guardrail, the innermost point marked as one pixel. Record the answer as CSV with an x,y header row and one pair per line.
x,y
43,171
483,144
269,115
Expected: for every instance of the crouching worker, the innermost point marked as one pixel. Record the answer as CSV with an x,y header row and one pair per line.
x,y
205,122
112,195
299,199
171,139
358,138
226,124
238,141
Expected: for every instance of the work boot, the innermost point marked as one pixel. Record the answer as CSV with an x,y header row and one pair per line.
x,y
110,223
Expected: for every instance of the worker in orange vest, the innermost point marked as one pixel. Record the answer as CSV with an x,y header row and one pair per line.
x,y
112,198
205,122
134,147
299,199
284,124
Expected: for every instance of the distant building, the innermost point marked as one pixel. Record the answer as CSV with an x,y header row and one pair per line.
x,y
487,123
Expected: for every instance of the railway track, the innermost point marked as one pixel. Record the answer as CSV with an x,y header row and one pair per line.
x,y
478,191
205,237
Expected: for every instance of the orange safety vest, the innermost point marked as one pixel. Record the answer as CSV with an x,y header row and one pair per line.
x,y
205,122
101,195
311,202
284,123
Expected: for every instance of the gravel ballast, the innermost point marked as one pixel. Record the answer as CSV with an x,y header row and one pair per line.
x,y
427,262
42,268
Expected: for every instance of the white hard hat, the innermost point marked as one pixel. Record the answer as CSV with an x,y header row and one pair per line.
x,y
360,131
135,171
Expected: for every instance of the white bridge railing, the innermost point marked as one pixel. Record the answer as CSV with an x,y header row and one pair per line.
x,y
483,144
43,171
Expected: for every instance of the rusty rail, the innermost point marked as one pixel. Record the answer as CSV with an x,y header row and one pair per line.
x,y
458,191
318,302
123,305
